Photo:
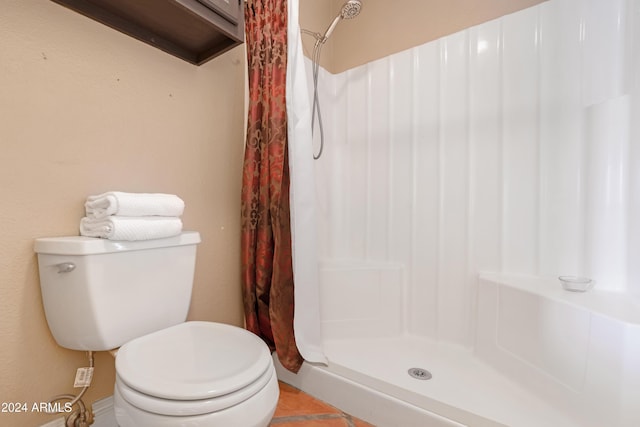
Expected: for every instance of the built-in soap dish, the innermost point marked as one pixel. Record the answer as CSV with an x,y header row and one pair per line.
x,y
575,283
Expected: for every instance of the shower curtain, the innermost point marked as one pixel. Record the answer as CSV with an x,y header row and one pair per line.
x,y
277,245
303,190
267,271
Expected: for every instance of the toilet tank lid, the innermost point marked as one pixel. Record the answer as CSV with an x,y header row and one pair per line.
x,y
80,245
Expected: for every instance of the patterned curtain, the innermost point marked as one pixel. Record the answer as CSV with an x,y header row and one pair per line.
x,y
267,275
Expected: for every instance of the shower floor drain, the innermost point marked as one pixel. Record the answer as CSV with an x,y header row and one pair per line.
x,y
419,373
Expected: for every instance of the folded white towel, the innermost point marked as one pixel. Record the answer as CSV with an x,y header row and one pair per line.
x,y
131,228
133,204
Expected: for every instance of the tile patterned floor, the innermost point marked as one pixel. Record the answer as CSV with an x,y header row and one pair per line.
x,y
298,409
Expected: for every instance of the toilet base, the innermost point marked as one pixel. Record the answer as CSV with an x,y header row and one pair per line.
x,y
256,411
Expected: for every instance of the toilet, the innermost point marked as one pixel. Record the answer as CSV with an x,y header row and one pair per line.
x,y
101,295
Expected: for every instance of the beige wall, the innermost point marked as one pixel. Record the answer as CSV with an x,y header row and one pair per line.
x,y
386,27
85,109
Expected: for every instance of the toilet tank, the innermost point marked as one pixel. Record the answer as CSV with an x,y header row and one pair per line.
x,y
98,294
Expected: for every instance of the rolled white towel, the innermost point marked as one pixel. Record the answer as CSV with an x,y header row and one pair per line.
x,y
131,228
133,204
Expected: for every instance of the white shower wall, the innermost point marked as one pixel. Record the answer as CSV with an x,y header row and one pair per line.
x,y
513,146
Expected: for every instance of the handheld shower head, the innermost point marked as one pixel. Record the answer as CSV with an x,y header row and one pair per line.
x,y
349,10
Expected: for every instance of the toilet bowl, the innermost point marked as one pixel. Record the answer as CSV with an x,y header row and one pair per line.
x,y
136,296
195,374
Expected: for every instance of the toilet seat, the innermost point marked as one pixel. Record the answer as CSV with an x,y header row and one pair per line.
x,y
192,368
183,408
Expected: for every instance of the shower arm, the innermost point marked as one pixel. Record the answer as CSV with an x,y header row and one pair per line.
x,y
314,34
322,38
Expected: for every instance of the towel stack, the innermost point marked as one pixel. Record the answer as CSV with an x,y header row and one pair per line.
x,y
132,216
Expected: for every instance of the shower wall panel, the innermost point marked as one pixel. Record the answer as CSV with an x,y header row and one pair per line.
x,y
471,153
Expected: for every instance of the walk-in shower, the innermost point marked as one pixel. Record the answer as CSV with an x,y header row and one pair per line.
x,y
462,177
349,10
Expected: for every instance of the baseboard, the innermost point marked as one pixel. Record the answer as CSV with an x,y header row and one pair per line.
x,y
102,411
